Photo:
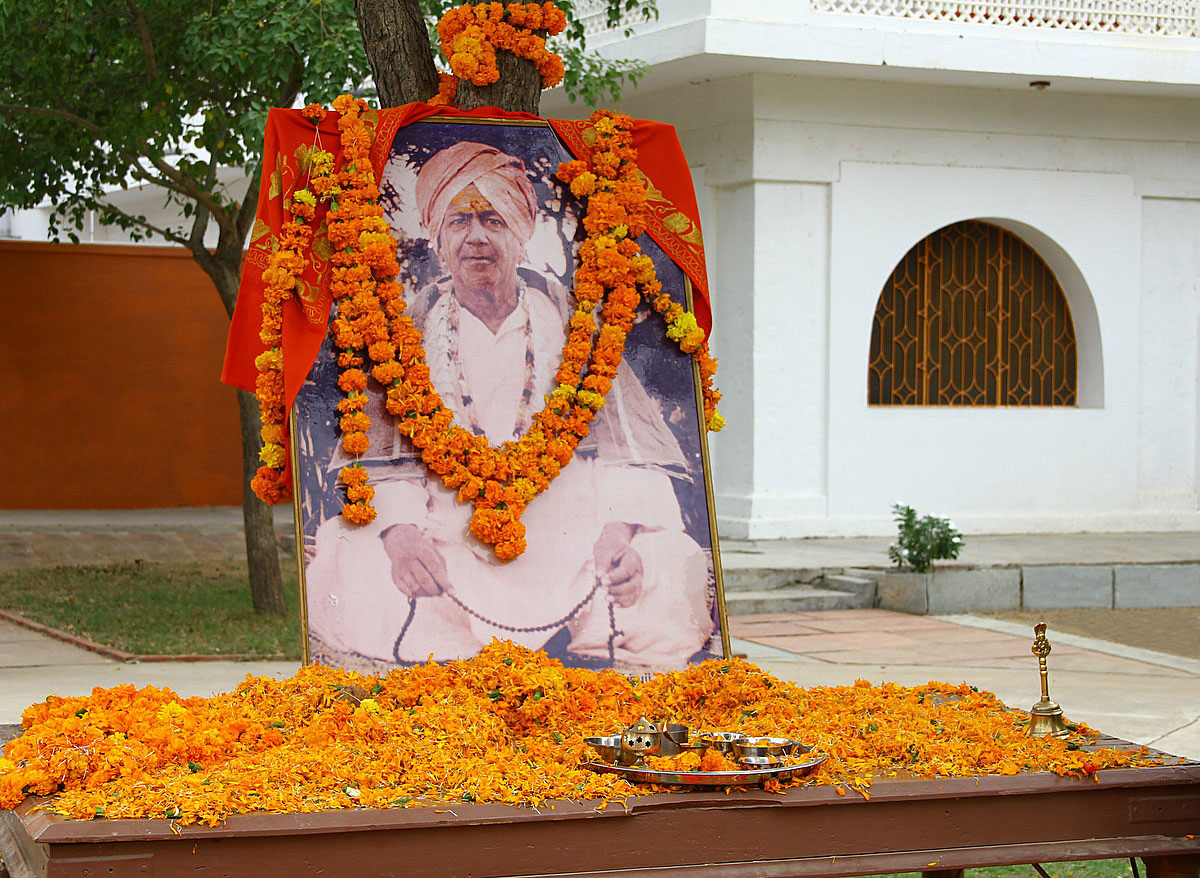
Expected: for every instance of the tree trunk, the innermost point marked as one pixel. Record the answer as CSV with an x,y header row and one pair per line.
x,y
223,266
518,89
262,553
397,44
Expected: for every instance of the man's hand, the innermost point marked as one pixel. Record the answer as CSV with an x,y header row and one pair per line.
x,y
618,565
418,568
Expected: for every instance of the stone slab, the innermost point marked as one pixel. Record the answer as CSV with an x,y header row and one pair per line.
x,y
904,592
1156,585
1067,586
983,590
790,599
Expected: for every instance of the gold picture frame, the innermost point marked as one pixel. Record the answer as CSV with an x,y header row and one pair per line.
x,y
703,469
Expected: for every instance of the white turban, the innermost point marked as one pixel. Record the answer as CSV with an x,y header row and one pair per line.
x,y
500,178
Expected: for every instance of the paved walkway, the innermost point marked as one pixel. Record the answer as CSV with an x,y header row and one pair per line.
x,y
1142,694
1137,694
986,550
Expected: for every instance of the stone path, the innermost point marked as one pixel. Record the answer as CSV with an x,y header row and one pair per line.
x,y
1148,691
1139,695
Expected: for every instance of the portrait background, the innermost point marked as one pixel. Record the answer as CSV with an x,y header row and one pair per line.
x,y
666,374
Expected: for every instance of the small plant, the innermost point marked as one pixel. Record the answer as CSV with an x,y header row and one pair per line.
x,y
923,540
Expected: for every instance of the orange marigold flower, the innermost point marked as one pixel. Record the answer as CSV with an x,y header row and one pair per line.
x,y
355,443
271,486
359,513
352,379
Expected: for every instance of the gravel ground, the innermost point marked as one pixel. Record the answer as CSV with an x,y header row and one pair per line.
x,y
1173,630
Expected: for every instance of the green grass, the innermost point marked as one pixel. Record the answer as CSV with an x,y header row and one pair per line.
x,y
1080,869
153,608
1083,869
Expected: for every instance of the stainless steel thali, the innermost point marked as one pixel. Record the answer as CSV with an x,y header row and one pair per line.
x,y
746,777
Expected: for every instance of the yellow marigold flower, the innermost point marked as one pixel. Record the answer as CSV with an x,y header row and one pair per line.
x,y
716,422
371,706
564,391
682,325
304,197
272,434
591,399
273,455
172,711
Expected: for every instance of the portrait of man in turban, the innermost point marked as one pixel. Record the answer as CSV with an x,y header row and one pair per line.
x,y
611,576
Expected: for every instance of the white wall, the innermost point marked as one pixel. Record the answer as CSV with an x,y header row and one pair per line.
x,y
815,187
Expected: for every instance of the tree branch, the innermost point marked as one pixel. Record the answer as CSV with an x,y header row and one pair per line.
x,y
187,186
183,184
249,208
144,32
174,237
291,86
53,113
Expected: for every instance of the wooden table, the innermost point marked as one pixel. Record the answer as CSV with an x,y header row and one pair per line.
x,y
937,827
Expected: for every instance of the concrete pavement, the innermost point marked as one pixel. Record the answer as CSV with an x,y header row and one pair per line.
x,y
1145,695
1140,695
33,666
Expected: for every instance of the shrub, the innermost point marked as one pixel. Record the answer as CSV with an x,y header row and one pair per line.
x,y
922,540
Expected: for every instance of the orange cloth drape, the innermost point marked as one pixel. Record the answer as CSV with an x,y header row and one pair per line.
x,y
674,224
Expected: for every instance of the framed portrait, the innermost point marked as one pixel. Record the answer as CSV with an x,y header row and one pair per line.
x,y
622,567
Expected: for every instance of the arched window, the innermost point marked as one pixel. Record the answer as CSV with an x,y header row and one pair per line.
x,y
972,316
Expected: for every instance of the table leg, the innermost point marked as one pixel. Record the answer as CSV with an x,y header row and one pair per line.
x,y
1180,866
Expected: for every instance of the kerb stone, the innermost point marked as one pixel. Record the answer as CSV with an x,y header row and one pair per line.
x,y
1156,585
904,592
1067,586
972,590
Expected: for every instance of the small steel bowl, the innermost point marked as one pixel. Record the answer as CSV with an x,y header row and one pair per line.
x,y
722,741
764,747
761,761
608,748
674,739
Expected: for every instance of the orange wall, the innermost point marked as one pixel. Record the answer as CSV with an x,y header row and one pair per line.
x,y
110,358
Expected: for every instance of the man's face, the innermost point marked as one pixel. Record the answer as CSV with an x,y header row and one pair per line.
x,y
480,250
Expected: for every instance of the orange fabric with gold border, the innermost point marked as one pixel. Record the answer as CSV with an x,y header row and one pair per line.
x,y
289,141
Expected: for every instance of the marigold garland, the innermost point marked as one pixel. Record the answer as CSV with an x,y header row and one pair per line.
x,y
506,726
371,325
470,35
271,483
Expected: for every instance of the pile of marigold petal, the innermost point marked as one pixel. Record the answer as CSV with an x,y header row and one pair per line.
x,y
506,726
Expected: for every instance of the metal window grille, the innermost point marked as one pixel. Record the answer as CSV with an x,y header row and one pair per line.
x,y
972,316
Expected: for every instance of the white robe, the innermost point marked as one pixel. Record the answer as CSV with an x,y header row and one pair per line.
x,y
355,607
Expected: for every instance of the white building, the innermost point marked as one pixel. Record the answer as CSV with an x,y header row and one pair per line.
x,y
829,138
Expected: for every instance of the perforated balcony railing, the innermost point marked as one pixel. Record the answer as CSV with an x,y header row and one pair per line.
x,y
1168,18
1164,18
